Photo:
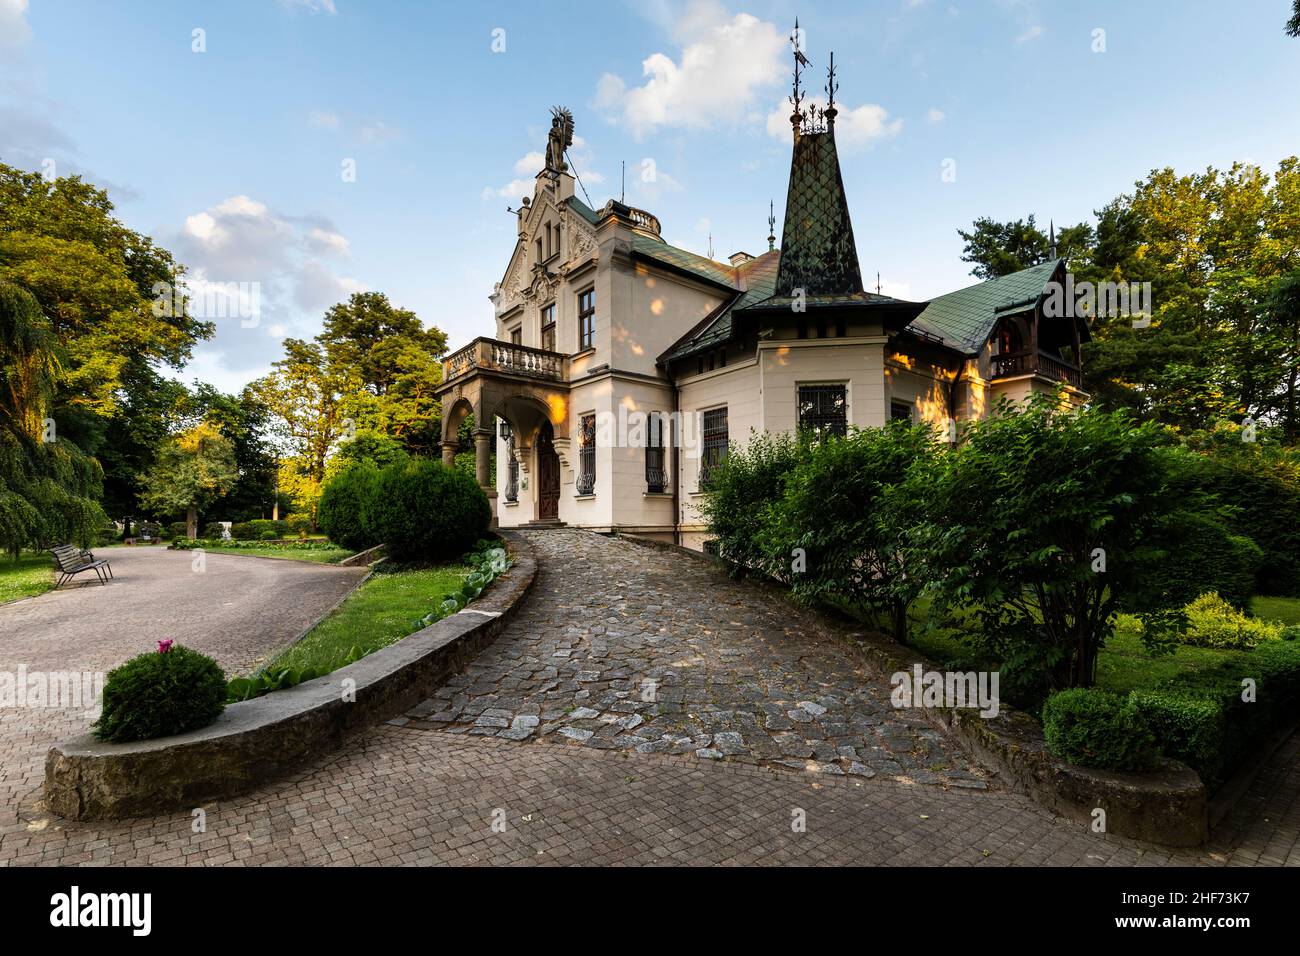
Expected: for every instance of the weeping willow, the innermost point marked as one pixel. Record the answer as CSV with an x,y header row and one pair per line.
x,y
49,489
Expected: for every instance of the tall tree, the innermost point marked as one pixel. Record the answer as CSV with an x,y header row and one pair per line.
x,y
389,365
49,489
1293,25
193,469
1001,248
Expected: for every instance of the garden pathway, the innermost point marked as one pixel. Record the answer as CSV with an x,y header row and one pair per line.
x,y
458,791
238,610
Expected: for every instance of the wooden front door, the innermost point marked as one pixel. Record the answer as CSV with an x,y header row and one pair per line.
x,y
548,476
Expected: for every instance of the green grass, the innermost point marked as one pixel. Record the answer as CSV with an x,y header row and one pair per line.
x,y
1284,609
268,550
30,575
380,612
1124,664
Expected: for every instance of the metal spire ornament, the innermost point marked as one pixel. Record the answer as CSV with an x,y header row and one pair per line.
x,y
771,225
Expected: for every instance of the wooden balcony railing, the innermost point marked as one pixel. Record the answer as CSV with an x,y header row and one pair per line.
x,y
485,354
1026,362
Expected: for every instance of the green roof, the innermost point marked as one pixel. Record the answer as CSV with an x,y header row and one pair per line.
x,y
758,276
818,255
702,267
964,319
583,210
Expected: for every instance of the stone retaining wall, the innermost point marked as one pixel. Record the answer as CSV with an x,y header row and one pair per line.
x,y
257,740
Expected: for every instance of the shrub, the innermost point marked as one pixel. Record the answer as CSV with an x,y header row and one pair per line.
x,y
1213,622
423,511
242,531
1207,558
213,529
177,529
742,490
1186,727
270,534
298,524
832,534
171,691
1092,728
1039,526
343,512
1258,481
1290,633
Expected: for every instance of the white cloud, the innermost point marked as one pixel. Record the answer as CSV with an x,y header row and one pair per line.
x,y
311,6
724,65
242,244
1031,33
854,126
14,29
357,128
935,116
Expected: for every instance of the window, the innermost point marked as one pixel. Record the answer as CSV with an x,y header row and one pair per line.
x,y
548,328
517,335
586,319
587,455
539,251
655,472
715,442
900,412
823,410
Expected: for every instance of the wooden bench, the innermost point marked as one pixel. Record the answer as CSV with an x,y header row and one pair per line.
x,y
70,561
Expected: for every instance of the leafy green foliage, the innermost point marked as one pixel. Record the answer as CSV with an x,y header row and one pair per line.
x,y
345,503
742,491
426,512
1040,525
835,534
49,490
1093,728
159,694
1213,622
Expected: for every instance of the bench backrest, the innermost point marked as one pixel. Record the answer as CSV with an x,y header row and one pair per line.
x,y
68,558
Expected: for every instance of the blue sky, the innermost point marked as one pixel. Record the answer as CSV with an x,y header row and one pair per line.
x,y
232,157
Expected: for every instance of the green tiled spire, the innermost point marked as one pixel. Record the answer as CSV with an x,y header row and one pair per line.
x,y
818,253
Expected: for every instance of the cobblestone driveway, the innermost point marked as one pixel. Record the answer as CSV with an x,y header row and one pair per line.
x,y
405,795
626,647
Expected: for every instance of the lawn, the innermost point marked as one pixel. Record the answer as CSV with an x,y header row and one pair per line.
x,y
1124,664
30,575
323,555
382,611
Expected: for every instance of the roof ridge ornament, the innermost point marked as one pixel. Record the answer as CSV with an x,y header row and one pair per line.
x,y
558,141
832,85
771,225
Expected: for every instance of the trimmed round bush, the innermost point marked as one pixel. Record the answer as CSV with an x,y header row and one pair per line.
x,y
1093,728
424,511
166,692
1213,622
177,529
343,512
213,529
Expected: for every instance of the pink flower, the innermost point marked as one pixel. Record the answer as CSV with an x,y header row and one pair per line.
x,y
165,645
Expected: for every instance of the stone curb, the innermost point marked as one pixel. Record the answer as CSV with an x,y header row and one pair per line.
x,y
366,557
1168,806
258,740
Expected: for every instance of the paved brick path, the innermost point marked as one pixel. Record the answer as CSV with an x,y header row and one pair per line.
x,y
412,795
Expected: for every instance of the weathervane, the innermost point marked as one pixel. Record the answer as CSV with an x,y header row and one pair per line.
x,y
796,99
771,225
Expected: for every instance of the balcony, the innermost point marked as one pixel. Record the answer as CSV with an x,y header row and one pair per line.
x,y
489,355
1028,363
